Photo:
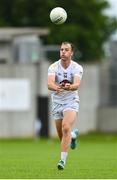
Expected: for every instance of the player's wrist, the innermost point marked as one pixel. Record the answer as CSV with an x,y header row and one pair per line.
x,y
73,87
56,88
70,87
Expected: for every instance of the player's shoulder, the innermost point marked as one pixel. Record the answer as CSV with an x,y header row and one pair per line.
x,y
77,65
54,65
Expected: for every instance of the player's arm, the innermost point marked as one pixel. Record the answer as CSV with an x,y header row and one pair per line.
x,y
75,85
51,84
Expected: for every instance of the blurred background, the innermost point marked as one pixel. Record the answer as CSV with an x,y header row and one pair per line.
x,y
29,43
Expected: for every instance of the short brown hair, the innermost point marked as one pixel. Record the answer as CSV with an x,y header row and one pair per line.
x,y
67,42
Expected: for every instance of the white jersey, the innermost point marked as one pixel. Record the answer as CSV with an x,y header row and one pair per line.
x,y
65,75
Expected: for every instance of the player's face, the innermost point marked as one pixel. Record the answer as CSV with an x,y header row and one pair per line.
x,y
66,52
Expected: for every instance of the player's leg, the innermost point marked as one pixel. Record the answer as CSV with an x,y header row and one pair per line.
x,y
74,133
63,154
57,114
68,120
59,128
59,131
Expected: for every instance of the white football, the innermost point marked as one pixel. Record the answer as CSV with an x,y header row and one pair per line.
x,y
58,15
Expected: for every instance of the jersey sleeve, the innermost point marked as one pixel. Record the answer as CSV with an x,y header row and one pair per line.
x,y
78,71
51,70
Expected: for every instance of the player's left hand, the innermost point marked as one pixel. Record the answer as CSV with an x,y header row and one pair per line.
x,y
67,86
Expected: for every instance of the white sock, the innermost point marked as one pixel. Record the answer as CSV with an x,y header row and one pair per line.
x,y
64,156
73,135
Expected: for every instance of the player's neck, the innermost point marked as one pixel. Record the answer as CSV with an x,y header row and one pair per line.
x,y
65,64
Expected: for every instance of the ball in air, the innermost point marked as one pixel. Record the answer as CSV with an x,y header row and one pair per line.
x,y
58,15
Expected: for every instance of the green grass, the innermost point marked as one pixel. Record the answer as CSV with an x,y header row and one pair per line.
x,y
95,157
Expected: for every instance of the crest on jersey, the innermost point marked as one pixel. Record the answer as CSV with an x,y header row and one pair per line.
x,y
65,75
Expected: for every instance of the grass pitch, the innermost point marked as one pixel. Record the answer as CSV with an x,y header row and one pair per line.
x,y
95,158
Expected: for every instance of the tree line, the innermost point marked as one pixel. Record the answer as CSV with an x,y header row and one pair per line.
x,y
87,26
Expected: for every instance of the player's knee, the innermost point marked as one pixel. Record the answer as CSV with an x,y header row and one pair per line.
x,y
65,128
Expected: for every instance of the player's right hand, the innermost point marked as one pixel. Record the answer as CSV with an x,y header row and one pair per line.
x,y
59,89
